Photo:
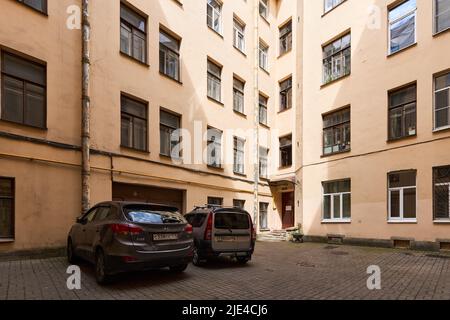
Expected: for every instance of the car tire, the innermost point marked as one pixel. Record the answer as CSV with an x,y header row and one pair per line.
x,y
101,274
71,257
242,260
178,268
196,258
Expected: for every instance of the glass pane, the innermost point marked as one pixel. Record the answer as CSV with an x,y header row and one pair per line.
x,y
35,106
395,204
168,41
23,69
410,119
403,96
402,9
6,188
164,141
442,15
169,119
442,99
443,81
139,50
263,209
134,108
125,39
403,179
13,100
403,33
126,134
132,18
6,219
346,206
409,203
327,207
40,5
395,123
140,134
442,201
337,206
443,118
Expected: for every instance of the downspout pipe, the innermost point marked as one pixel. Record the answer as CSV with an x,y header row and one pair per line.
x,y
256,115
85,108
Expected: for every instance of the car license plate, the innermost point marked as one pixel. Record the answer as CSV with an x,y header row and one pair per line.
x,y
165,236
227,239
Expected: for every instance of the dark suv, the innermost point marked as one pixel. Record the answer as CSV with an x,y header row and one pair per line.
x,y
126,236
221,231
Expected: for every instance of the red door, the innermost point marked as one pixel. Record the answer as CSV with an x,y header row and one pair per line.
x,y
288,213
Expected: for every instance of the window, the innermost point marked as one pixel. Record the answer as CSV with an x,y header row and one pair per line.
x,y
263,163
337,201
263,110
239,204
402,26
263,56
330,4
402,196
286,38
286,151
239,160
239,35
336,132
169,55
134,124
442,101
337,59
286,94
169,134
238,95
441,15
402,113
441,182
264,8
214,201
263,210
40,5
214,15
6,208
133,34
24,96
214,148
214,81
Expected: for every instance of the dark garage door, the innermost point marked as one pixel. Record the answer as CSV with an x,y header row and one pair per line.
x,y
151,194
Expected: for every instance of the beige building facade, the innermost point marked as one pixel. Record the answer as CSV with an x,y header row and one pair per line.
x,y
183,93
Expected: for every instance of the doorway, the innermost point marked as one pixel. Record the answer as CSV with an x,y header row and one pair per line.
x,y
288,211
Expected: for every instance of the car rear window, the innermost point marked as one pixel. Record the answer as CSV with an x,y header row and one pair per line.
x,y
152,215
231,220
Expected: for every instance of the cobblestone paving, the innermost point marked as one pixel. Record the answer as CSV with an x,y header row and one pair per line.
x,y
278,271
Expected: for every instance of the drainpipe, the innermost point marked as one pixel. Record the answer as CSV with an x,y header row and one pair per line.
x,y
256,116
85,108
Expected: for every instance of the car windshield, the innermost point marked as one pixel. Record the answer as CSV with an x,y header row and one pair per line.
x,y
153,215
231,220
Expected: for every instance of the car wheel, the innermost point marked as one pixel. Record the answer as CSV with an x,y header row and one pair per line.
x,y
71,257
101,274
196,259
179,268
242,260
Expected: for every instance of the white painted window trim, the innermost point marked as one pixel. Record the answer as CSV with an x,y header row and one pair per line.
x,y
237,34
216,13
341,208
435,31
436,128
401,218
390,23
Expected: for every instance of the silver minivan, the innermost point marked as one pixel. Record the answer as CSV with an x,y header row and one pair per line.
x,y
220,231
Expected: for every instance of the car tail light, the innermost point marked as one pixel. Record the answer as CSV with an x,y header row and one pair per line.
x,y
125,229
253,232
188,229
208,230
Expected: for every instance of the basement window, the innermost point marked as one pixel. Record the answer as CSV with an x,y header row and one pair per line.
x,y
6,209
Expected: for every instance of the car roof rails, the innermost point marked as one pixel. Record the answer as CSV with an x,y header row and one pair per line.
x,y
216,206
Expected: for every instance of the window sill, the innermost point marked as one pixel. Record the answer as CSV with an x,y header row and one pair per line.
x,y
146,152
284,110
393,140
335,153
216,101
240,174
170,78
126,55
324,85
165,156
7,240
441,129
179,3
264,125
25,125
285,167
265,71
340,221
218,168
284,54
240,51
437,34
404,221
442,221
265,20
216,32
43,13
401,50
241,114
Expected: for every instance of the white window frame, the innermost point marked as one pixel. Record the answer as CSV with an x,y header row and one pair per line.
x,y
401,195
239,35
216,13
263,56
266,6
448,213
334,4
390,23
341,209
435,127
435,31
